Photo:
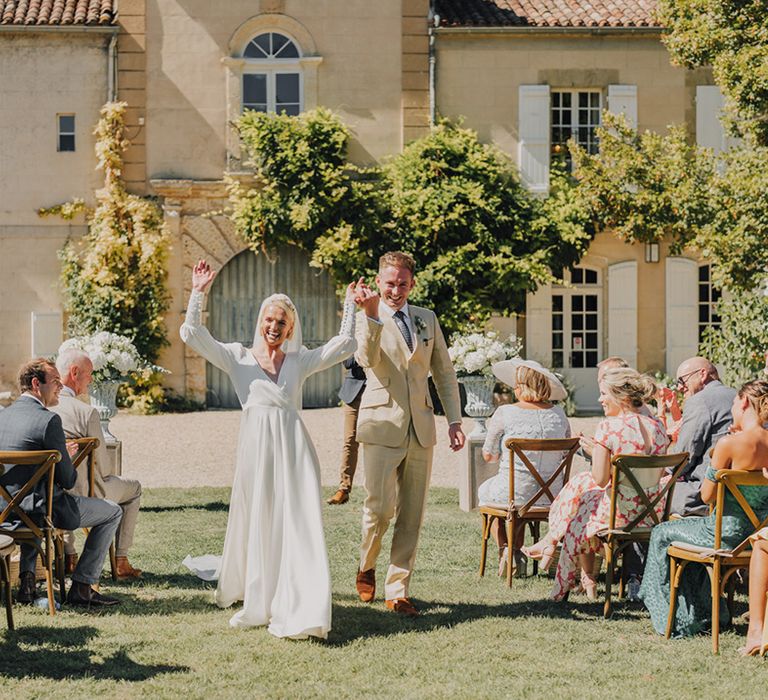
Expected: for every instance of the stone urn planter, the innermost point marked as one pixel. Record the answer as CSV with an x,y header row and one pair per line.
x,y
479,404
104,400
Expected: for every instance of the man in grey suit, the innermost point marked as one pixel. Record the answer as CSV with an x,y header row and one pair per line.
x,y
706,416
28,425
350,393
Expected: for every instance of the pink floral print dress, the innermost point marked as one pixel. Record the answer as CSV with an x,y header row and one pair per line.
x,y
582,508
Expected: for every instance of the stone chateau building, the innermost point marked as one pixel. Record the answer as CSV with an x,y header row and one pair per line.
x,y
526,75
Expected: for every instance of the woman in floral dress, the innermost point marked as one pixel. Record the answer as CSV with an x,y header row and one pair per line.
x,y
582,508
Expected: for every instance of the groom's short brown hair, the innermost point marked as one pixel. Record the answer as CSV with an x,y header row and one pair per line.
x,y
397,258
34,369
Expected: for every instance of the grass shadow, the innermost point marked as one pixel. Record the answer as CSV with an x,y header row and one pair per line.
x,y
33,652
211,507
142,606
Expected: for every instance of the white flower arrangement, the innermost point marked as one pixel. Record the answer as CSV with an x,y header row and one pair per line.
x,y
474,353
114,356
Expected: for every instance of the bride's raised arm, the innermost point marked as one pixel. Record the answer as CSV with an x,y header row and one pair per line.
x,y
338,348
195,334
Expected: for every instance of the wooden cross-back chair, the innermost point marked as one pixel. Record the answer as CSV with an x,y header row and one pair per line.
x,y
721,563
85,455
632,476
41,537
7,547
528,513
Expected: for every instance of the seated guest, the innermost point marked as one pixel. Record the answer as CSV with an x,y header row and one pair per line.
x,y
746,449
81,420
706,415
533,417
28,425
582,508
758,587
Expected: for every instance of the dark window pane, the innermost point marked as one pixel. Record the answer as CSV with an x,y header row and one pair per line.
x,y
255,89
66,142
287,87
577,303
715,320
557,322
716,294
66,123
577,359
557,302
278,42
290,110
577,323
583,117
591,341
567,100
289,50
594,101
577,275
703,313
591,302
591,359
583,99
591,322
556,99
557,341
703,273
590,276
704,293
585,135
557,359
258,48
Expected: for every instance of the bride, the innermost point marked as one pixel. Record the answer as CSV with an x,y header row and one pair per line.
x,y
275,559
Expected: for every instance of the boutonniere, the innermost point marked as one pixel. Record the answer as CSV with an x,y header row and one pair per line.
x,y
421,327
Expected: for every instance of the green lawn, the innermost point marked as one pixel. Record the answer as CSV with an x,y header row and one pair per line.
x,y
475,639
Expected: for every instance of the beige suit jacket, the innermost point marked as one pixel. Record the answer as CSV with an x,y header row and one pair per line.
x,y
80,420
397,392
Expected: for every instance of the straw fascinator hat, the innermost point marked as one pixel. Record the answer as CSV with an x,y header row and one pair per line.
x,y
506,371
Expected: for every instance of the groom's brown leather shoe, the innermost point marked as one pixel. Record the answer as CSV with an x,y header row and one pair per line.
x,y
339,498
366,585
402,606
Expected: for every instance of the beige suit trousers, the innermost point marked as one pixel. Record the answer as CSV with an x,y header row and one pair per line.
x,y
127,494
396,483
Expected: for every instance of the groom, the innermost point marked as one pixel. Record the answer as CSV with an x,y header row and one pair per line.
x,y
399,345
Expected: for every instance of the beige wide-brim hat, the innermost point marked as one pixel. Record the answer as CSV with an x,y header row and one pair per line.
x,y
506,371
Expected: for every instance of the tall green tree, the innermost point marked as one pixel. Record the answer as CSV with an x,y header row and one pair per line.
x,y
732,37
479,238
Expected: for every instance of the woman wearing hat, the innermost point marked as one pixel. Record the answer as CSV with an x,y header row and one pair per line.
x,y
582,508
533,417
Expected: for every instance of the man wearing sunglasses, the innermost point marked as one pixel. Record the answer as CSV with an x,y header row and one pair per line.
x,y
706,416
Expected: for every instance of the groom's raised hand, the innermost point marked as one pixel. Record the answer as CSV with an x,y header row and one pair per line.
x,y
456,436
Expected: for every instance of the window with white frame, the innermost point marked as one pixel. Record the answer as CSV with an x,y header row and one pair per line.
x,y
272,76
65,127
709,296
576,320
574,114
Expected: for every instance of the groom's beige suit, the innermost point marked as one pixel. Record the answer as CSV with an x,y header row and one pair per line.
x,y
396,427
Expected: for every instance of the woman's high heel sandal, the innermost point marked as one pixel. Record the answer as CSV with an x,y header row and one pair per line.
x,y
589,586
544,555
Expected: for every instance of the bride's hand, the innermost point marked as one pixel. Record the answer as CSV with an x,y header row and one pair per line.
x,y
202,276
352,293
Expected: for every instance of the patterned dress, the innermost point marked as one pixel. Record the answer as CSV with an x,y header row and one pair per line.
x,y
582,508
694,599
511,420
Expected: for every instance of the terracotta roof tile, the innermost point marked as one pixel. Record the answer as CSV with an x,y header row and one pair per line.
x,y
547,13
57,12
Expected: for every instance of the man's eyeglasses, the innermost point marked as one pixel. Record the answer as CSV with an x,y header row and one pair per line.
x,y
680,384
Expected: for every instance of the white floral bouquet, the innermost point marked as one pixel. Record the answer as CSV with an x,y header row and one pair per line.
x,y
114,356
474,353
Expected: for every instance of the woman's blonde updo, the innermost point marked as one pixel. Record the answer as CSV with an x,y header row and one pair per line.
x,y
531,385
757,394
627,386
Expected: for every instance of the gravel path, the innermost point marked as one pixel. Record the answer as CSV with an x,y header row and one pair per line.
x,y
198,449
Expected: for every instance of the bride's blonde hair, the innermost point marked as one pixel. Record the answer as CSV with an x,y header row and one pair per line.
x,y
628,386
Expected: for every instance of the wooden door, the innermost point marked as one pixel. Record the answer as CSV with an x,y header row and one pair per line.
x,y
233,306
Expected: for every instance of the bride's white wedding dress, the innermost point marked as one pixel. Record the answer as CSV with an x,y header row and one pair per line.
x,y
274,559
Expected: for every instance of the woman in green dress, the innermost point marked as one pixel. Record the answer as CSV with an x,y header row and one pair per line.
x,y
745,449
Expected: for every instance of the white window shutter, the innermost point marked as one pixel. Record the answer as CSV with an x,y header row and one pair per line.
x,y
682,280
622,311
47,333
622,99
538,325
710,132
533,137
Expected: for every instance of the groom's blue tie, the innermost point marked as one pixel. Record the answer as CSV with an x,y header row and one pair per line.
x,y
403,326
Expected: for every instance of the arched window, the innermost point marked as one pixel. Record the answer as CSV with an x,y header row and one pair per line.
x,y
272,75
